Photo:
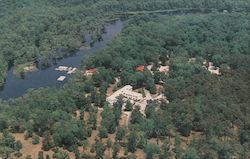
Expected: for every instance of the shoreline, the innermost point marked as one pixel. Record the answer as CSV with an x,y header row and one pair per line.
x,y
25,68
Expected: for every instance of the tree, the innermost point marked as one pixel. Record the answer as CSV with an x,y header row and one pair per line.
x,y
47,156
128,106
76,152
88,87
165,149
40,155
61,155
29,130
108,120
97,78
217,60
8,141
99,149
35,140
118,109
151,149
244,136
132,141
47,143
185,128
116,149
225,151
3,124
109,144
120,134
103,133
18,146
82,114
136,116
150,109
137,80
141,140
191,153
150,85
178,150
92,119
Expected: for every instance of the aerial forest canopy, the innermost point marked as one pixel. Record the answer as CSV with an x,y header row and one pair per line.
x,y
207,116
35,30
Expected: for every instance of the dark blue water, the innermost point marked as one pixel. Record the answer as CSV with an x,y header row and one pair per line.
x,y
15,86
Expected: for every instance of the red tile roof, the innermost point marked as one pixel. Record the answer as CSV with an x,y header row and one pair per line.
x,y
140,68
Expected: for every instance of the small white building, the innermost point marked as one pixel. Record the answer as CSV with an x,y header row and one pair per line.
x,y
212,69
164,69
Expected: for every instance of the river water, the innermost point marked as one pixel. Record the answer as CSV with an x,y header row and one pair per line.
x,y
15,86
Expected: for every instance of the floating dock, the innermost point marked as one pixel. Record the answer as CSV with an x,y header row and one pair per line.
x,y
69,70
61,78
62,68
73,70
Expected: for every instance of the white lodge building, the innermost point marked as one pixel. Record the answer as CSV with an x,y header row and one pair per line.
x,y
127,92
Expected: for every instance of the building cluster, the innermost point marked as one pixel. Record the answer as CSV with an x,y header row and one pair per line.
x,y
211,68
127,93
137,99
208,66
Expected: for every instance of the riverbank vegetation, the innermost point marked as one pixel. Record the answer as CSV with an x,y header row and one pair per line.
x,y
26,67
207,115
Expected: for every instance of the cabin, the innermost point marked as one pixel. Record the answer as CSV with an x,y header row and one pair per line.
x,y
140,68
136,99
90,72
211,68
164,69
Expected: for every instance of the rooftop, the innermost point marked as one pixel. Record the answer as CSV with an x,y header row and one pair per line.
x,y
140,68
92,70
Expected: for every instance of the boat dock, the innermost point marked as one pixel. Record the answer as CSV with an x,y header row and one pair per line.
x,y
61,78
67,69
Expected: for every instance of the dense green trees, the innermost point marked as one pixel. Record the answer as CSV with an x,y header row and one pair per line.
x,y
217,107
8,145
108,120
37,30
199,101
